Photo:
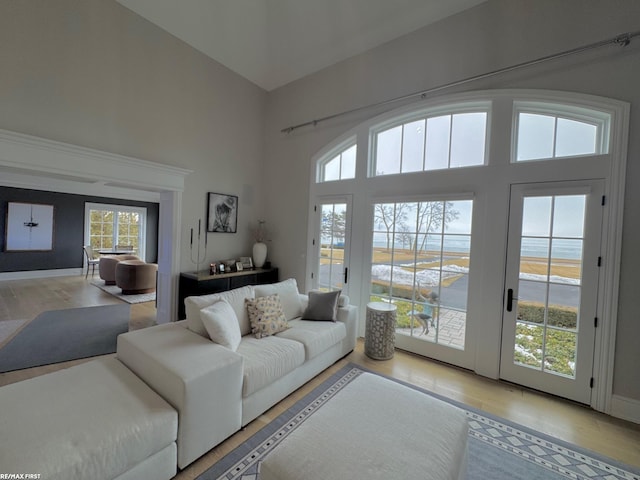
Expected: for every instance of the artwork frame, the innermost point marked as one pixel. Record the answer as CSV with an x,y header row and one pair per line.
x,y
29,227
222,213
247,263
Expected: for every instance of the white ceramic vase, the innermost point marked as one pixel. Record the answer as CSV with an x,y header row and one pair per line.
x,y
259,254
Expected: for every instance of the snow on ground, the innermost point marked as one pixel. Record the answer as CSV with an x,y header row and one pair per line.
x,y
552,278
402,276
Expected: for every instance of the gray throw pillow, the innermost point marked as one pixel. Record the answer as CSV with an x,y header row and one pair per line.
x,y
322,306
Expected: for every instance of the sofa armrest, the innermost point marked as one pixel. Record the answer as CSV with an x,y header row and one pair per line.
x,y
348,314
200,379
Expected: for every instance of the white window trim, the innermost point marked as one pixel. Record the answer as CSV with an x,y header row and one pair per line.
x,y
501,147
325,157
596,117
478,106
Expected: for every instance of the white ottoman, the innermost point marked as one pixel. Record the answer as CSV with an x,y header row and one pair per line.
x,y
374,429
96,420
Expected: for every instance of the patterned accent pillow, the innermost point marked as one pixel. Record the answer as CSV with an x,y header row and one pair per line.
x,y
266,315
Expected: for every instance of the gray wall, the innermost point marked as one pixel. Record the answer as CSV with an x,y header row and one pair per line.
x,y
496,34
68,232
93,73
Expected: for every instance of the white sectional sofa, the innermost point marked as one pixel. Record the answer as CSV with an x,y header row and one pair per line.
x,y
216,388
172,393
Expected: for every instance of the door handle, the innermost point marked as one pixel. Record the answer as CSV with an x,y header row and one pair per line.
x,y
510,299
346,275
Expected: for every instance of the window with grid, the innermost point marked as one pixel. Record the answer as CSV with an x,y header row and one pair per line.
x,y
546,131
420,263
111,225
442,141
340,165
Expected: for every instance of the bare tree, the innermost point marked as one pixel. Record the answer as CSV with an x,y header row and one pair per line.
x,y
405,235
432,217
390,215
334,224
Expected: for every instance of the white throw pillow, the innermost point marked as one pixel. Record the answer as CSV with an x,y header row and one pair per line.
x,y
287,290
235,297
222,324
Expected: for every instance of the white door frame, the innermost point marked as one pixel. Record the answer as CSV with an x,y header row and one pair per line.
x,y
42,164
314,236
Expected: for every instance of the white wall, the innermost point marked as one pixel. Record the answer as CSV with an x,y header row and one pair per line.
x,y
93,73
493,35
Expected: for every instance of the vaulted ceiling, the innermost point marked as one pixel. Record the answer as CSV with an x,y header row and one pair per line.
x,y
274,42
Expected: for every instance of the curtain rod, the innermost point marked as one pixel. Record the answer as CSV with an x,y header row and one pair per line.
x,y
622,40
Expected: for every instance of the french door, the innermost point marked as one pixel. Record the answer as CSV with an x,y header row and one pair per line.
x,y
551,287
331,241
420,262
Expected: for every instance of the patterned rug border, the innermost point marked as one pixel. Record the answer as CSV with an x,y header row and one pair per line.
x,y
608,464
266,439
115,291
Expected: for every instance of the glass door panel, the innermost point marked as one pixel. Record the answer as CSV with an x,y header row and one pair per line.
x,y
548,319
331,244
420,263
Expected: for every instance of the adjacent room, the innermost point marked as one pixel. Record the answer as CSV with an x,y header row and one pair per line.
x,y
233,232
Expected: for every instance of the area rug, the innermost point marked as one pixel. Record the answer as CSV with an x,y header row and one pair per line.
x,y
8,328
498,448
61,335
117,292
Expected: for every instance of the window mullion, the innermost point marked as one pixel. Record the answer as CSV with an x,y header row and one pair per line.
x,y
424,146
116,226
450,141
401,148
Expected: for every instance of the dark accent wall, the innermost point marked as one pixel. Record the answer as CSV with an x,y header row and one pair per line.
x,y
68,230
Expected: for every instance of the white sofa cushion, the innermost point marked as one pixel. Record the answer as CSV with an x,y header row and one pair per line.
x,y
235,297
315,336
267,359
287,290
93,420
222,324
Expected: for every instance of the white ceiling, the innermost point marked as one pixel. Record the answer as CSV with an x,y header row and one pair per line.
x,y
273,42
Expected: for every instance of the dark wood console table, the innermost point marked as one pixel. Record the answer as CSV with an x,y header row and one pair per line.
x,y
201,283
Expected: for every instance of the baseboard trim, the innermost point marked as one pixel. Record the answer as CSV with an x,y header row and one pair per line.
x,y
27,274
625,408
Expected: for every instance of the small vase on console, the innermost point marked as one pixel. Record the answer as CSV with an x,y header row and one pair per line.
x,y
259,254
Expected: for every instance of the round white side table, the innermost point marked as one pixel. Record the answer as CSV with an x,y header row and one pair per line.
x,y
380,331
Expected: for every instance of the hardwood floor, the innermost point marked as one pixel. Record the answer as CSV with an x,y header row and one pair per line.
x,y
562,419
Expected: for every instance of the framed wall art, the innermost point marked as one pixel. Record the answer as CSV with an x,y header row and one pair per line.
x,y
29,227
222,213
247,262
